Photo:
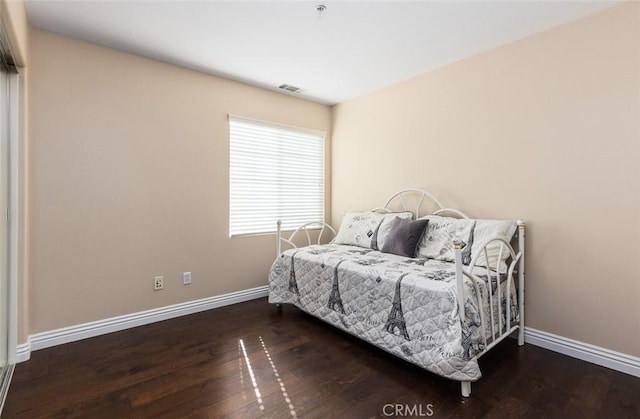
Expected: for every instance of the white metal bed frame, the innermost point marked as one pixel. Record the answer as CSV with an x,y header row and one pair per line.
x,y
417,197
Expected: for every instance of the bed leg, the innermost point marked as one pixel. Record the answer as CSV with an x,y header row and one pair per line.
x,y
465,386
521,336
279,306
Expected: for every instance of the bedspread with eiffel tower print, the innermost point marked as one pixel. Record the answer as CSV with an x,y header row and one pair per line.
x,y
405,306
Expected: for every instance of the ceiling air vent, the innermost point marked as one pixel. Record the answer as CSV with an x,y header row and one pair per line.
x,y
289,88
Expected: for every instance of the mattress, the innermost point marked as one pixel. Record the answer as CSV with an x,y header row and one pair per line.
x,y
406,306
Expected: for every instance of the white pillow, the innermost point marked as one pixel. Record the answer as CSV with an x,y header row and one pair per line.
x,y
437,242
358,228
488,229
384,229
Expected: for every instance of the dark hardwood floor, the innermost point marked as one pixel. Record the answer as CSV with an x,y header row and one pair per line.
x,y
195,367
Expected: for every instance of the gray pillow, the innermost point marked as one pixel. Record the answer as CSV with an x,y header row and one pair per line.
x,y
404,237
384,228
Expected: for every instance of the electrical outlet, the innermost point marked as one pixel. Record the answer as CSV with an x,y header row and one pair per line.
x,y
186,278
158,283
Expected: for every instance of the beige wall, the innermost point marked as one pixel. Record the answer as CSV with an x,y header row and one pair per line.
x,y
129,162
546,129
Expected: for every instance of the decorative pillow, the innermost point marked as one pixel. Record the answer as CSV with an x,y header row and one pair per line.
x,y
437,242
358,228
381,234
404,236
488,229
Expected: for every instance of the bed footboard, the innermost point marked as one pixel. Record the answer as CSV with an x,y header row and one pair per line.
x,y
521,234
500,330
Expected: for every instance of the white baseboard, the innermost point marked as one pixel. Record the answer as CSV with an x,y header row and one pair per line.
x,y
573,348
87,330
596,355
23,351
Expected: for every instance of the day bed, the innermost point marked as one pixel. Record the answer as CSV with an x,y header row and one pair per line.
x,y
441,310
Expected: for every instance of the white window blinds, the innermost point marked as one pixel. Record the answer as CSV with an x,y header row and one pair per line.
x,y
276,173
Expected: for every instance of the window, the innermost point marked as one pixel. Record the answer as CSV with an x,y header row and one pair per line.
x,y
276,173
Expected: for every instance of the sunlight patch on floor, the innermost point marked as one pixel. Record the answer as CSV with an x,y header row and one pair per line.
x,y
283,388
253,377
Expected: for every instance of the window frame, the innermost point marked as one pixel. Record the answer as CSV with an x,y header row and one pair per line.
x,y
290,130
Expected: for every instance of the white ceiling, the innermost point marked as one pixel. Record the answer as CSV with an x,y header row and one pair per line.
x,y
352,48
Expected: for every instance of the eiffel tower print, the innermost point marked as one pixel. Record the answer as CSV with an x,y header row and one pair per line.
x,y
293,285
335,301
396,318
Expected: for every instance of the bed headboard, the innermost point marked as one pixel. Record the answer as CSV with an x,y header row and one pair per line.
x,y
419,202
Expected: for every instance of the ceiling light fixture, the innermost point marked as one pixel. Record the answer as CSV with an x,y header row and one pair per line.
x,y
290,88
